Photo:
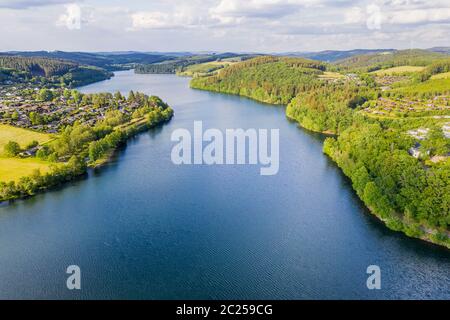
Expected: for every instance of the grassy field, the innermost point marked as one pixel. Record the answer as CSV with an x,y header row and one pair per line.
x,y
445,75
331,75
21,136
398,70
12,169
204,68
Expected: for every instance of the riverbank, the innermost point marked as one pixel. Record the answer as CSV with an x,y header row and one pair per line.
x,y
395,222
95,146
287,236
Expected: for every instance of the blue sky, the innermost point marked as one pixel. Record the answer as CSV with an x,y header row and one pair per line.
x,y
222,25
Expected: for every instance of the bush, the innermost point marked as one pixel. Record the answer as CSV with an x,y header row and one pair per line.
x,y
11,149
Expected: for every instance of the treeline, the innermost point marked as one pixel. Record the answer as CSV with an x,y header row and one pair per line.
x,y
394,185
268,79
433,69
84,75
158,68
31,185
98,149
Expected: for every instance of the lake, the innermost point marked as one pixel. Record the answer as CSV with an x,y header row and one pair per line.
x,y
144,228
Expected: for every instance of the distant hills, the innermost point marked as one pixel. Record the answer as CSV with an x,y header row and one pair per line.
x,y
107,60
125,59
382,60
445,50
333,55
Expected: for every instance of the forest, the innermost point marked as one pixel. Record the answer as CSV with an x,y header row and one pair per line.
x,y
49,71
370,144
82,145
174,65
268,79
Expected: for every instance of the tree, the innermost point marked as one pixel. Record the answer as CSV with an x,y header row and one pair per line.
x,y
76,165
32,144
45,95
36,118
11,149
76,96
15,115
43,153
131,97
118,96
96,150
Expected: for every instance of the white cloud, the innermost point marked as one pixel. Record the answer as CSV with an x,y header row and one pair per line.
x,y
24,4
251,25
71,19
374,17
182,16
420,16
151,20
268,9
354,15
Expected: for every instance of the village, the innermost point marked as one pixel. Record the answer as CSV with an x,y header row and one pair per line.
x,y
20,107
401,107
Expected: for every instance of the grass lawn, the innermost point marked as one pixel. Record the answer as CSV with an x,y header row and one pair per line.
x,y
21,136
398,70
12,169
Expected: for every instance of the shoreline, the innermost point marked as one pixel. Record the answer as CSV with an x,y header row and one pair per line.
x,y
425,229
66,172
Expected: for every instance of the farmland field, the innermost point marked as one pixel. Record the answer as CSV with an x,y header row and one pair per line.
x,y
398,70
12,169
21,136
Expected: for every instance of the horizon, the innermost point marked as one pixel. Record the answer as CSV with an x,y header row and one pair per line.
x,y
218,52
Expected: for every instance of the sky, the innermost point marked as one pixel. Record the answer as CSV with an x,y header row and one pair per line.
x,y
222,25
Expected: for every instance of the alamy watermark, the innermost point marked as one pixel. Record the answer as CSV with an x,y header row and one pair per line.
x,y
374,279
74,280
235,146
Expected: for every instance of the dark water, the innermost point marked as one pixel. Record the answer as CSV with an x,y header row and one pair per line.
x,y
142,227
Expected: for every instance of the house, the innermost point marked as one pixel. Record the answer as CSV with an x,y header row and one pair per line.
x,y
414,151
446,130
30,152
419,134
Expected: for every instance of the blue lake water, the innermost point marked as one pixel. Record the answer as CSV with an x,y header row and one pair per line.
x,y
144,228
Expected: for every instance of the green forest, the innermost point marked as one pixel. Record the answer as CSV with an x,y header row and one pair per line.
x,y
49,71
268,79
173,65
